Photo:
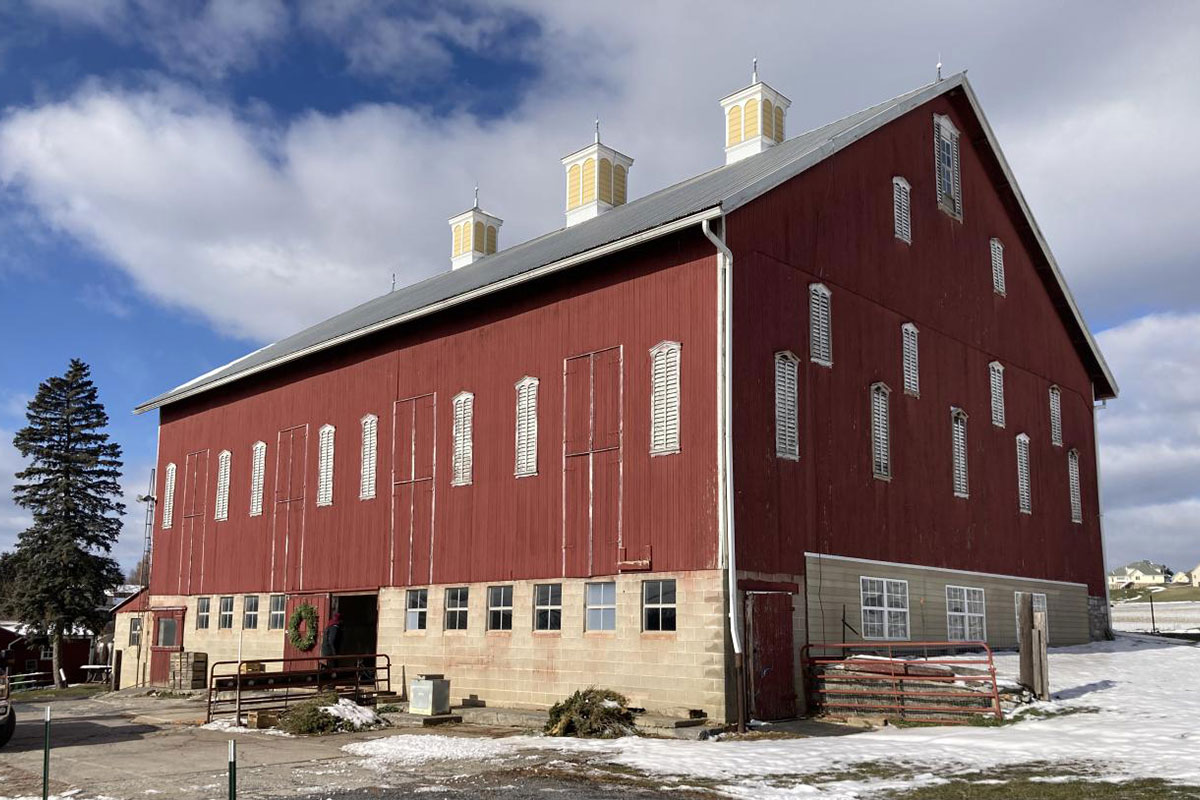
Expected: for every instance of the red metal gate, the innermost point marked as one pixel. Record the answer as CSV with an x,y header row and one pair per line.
x,y
413,467
287,538
772,671
168,639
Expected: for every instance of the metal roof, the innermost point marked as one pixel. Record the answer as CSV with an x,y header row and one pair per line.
x,y
710,194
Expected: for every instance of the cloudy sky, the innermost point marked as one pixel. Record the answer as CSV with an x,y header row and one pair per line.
x,y
183,182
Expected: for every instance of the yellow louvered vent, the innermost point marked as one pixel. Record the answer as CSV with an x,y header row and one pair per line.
x,y
606,178
491,239
573,183
589,180
618,185
750,123
754,119
768,118
597,180
735,126
779,123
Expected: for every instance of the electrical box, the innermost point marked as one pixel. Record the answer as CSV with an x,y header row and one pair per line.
x,y
430,695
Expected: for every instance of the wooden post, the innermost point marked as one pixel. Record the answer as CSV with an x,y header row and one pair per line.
x,y
1041,663
1025,637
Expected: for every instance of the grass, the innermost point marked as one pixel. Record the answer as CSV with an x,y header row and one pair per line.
x,y
76,692
1142,594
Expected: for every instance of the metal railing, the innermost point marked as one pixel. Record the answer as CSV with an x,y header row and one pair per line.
x,y
946,682
29,680
360,677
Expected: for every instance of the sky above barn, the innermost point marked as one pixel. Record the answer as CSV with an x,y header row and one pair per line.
x,y
181,183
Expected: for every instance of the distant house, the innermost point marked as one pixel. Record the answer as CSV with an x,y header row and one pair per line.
x,y
28,653
1194,576
1140,573
1183,577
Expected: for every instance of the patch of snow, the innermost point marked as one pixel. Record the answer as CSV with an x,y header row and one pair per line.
x,y
406,750
229,726
353,714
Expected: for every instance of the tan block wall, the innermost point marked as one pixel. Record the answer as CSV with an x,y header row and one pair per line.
x,y
133,673
526,668
833,583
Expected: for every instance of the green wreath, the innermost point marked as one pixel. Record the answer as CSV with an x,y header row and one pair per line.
x,y
308,615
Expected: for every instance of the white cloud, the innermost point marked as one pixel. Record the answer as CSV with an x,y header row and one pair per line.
x,y
13,519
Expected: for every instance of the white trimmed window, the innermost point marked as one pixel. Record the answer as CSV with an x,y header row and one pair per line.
x,y
203,606
958,438
946,160
997,266
911,358
1024,492
416,614
600,606
462,462
881,455
902,208
547,607
664,398
221,509
1056,438
658,605
966,614
500,608
370,457
1073,483
457,600
787,413
250,612
135,632
820,324
225,614
325,466
258,470
996,384
168,515
884,608
277,615
527,427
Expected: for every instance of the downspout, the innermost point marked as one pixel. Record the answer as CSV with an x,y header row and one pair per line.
x,y
725,403
1108,634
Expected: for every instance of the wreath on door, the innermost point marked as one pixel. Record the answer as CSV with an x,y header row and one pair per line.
x,y
303,638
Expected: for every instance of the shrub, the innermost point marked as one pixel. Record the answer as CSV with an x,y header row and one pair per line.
x,y
591,713
308,718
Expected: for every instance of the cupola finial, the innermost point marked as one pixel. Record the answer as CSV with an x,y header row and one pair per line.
x,y
754,72
939,67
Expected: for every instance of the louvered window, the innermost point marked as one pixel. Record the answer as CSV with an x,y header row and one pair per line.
x,y
258,469
996,381
527,427
1024,492
958,436
221,510
946,159
912,359
820,324
902,209
881,455
370,457
325,466
168,514
664,398
1073,483
1056,417
463,456
787,423
997,266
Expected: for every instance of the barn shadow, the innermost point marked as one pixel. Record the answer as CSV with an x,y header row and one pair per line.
x,y
73,731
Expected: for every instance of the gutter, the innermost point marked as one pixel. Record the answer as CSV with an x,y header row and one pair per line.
x,y
725,451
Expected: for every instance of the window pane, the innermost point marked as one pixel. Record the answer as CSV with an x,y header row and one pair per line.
x,y
651,591
668,619
668,592
652,619
556,594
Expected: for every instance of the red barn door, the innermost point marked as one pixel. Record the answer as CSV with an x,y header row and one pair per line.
x,y
287,539
321,603
592,463
413,465
168,639
772,672
191,532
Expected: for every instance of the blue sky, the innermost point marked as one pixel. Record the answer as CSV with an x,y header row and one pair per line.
x,y
180,183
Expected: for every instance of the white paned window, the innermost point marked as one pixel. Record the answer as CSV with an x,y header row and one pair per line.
x,y
463,456
820,324
911,357
258,470
997,266
787,414
658,605
325,466
370,457
416,615
457,603
221,509
600,606
1024,492
135,632
203,606
902,208
527,427
996,384
966,614
946,159
276,618
168,515
1073,483
225,614
500,608
664,398
547,607
958,437
881,455
1055,417
250,612
884,608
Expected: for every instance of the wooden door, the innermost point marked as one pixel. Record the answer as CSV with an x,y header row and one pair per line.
x,y
771,670
308,657
287,538
592,467
191,525
413,467
168,639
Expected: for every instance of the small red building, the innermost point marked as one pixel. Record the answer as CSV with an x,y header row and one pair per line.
x,y
29,654
836,388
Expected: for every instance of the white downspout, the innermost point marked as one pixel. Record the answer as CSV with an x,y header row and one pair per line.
x,y
724,405
1100,509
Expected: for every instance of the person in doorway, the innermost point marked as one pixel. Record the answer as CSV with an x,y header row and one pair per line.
x,y
331,643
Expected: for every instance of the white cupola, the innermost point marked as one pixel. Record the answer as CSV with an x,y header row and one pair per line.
x,y
475,235
597,180
754,119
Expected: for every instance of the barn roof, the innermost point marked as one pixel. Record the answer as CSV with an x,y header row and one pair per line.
x,y
708,195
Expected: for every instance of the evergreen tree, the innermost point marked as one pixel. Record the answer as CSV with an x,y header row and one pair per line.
x,y
72,487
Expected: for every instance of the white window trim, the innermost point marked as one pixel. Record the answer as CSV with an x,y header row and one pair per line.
x,y
369,468
912,377
955,415
258,471
588,606
966,614
881,438
902,209
512,599
787,420
863,608
1024,479
944,128
665,427
996,393
1074,487
1056,426
410,609
525,433
168,514
204,615
222,613
547,607
660,605
325,444
817,334
462,457
246,612
271,626
999,284
221,502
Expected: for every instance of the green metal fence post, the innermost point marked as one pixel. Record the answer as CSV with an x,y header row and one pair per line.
x,y
46,759
232,770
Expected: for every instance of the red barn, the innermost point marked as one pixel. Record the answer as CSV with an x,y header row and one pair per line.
x,y
836,388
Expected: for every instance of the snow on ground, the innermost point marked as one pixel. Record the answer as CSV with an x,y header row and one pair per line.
x,y
355,715
411,751
228,726
1176,617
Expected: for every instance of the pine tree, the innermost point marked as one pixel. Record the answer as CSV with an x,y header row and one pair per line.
x,y
72,487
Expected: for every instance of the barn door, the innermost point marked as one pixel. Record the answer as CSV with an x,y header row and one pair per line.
x,y
191,539
592,462
771,669
287,538
168,639
413,465
309,657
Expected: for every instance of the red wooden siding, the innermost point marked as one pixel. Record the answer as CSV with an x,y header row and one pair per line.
x,y
834,224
